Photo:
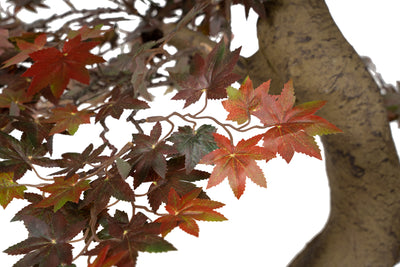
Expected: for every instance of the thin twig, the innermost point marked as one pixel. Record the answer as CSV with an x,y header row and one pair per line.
x,y
205,105
85,235
84,248
112,204
38,175
105,140
149,210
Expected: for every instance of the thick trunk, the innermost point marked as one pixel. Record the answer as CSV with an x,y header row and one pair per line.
x,y
301,41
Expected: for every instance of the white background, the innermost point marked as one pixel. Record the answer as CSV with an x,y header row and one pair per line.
x,y
266,227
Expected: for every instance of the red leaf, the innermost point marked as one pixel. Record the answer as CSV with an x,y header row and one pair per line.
x,y
55,68
26,49
63,190
184,211
68,118
237,163
177,178
103,188
128,237
149,155
294,127
211,75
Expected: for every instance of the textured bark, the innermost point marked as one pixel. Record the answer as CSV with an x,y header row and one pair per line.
x,y
301,41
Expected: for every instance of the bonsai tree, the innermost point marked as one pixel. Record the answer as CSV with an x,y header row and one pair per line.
x,y
92,67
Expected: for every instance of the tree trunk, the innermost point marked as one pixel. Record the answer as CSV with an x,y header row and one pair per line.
x,y
300,40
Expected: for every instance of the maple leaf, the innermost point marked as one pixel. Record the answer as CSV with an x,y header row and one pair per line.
x,y
237,163
242,102
68,118
18,156
211,75
293,127
177,178
128,237
148,155
55,68
26,49
103,188
34,133
118,103
194,144
10,98
30,5
9,189
63,190
47,244
183,211
69,210
72,161
13,80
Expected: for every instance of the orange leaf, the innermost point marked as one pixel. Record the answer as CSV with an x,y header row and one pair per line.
x,y
293,127
241,102
26,49
183,211
237,163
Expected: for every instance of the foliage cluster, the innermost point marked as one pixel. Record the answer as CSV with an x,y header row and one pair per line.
x,y
51,83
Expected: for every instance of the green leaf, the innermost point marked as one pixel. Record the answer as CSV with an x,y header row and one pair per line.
x,y
194,144
9,189
157,244
123,167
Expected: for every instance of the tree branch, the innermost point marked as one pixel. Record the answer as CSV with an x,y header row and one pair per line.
x,y
302,42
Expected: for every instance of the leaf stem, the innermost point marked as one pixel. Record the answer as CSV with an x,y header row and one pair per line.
x,y
111,160
112,204
84,248
170,131
38,175
148,210
223,125
205,105
85,235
